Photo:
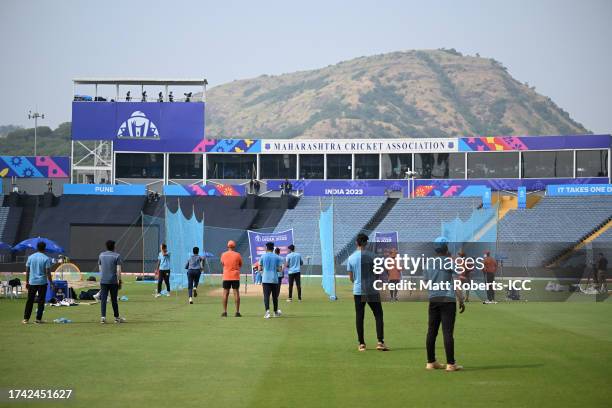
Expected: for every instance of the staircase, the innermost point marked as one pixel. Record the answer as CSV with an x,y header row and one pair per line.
x,y
29,205
589,237
370,226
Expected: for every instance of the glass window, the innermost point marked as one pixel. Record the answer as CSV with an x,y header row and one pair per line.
x,y
591,163
231,166
185,166
547,164
339,166
439,165
366,166
395,166
139,165
493,165
277,166
311,166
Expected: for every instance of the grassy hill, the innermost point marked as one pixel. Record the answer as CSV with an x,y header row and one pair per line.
x,y
435,93
401,94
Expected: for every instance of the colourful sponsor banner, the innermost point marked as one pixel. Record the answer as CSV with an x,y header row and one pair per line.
x,y
210,189
437,145
458,187
579,190
141,126
34,166
229,146
449,190
343,187
257,242
520,143
106,189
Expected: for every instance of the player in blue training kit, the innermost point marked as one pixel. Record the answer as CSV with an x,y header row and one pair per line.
x,y
270,264
442,308
360,268
38,272
293,262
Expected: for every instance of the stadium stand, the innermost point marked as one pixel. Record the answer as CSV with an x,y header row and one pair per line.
x,y
54,222
420,220
351,214
10,217
551,226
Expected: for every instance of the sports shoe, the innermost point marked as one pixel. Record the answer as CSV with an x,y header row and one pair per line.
x,y
434,366
224,314
119,319
278,313
362,347
191,301
102,320
25,321
453,367
238,314
195,292
167,294
381,347
157,295
267,315
289,300
97,296
486,302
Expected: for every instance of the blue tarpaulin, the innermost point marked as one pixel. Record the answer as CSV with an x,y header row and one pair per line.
x,y
182,234
326,231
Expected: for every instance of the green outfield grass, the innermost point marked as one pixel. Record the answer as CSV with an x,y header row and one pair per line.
x,y
173,354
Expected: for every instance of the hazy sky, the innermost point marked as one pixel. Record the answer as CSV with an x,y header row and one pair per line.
x,y
564,48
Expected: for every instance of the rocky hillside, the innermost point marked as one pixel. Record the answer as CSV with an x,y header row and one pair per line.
x,y
433,93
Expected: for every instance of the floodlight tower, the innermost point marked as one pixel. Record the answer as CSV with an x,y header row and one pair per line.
x,y
35,116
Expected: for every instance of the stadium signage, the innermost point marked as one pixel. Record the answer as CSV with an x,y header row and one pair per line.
x,y
350,188
578,189
105,189
360,146
257,242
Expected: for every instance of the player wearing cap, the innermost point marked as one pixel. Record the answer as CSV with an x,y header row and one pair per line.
x,y
442,307
231,262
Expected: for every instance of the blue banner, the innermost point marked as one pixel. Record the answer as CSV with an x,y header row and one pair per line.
x,y
486,198
105,189
579,189
258,240
141,126
343,187
522,197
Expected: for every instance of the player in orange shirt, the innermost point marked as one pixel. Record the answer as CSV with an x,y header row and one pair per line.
x,y
231,262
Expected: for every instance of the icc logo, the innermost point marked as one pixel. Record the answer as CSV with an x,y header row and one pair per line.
x,y
138,126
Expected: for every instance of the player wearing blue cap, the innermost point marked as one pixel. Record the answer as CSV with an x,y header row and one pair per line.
x,y
442,307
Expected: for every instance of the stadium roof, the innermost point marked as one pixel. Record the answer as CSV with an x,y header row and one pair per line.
x,y
139,81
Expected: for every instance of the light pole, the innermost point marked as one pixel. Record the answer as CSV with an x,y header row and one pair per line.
x,y
35,116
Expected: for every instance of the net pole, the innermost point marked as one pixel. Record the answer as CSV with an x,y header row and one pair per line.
x,y
143,242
